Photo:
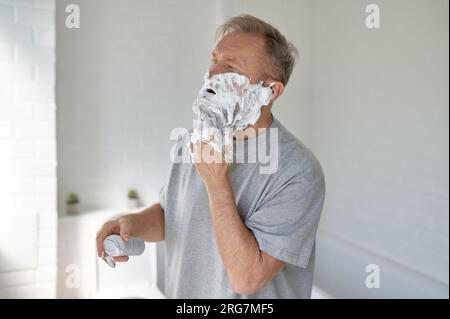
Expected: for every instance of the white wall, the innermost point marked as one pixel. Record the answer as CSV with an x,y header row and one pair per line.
x,y
380,130
28,150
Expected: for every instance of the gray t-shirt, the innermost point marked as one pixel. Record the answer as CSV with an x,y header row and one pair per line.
x,y
282,210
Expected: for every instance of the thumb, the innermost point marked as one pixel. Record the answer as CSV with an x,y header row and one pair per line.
x,y
125,229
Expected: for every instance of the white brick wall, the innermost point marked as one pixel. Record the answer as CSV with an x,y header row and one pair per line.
x,y
28,145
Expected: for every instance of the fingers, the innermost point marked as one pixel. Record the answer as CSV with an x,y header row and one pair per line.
x,y
122,226
121,259
204,153
196,149
99,243
106,230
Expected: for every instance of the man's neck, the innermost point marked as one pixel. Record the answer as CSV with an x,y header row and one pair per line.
x,y
265,121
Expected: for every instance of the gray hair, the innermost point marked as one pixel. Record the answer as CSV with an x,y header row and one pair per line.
x,y
283,53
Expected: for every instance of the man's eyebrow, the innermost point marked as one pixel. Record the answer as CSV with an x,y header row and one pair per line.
x,y
226,58
237,61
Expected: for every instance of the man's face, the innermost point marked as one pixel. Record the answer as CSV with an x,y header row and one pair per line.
x,y
242,53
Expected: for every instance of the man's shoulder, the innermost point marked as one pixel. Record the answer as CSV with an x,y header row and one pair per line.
x,y
295,156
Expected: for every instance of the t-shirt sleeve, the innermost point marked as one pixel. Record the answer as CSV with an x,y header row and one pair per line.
x,y
286,222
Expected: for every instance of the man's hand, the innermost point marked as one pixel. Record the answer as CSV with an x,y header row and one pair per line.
x,y
147,225
122,226
210,164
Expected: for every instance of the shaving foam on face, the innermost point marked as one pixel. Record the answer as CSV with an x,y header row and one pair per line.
x,y
227,103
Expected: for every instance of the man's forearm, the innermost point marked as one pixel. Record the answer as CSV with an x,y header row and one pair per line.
x,y
149,223
238,247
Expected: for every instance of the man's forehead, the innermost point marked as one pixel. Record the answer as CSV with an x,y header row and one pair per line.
x,y
238,42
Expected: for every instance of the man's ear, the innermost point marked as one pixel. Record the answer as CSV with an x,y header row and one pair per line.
x,y
277,89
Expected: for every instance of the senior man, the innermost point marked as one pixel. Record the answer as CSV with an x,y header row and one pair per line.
x,y
231,231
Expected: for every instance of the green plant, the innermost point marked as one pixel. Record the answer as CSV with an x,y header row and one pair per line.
x,y
72,198
132,194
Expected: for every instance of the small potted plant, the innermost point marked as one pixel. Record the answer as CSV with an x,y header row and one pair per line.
x,y
73,204
133,198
